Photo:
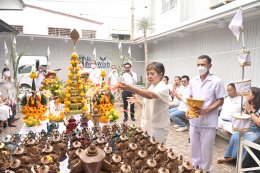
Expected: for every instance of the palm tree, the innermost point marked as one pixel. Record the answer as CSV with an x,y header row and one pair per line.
x,y
145,24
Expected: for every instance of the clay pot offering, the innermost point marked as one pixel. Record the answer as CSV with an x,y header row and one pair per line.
x,y
139,161
116,163
130,153
125,168
30,142
151,166
163,170
144,139
15,164
161,154
122,144
43,169
100,142
19,151
92,159
152,146
48,149
172,162
187,167
108,151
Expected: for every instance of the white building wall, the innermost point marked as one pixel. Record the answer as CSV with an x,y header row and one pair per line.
x,y
179,55
60,52
37,22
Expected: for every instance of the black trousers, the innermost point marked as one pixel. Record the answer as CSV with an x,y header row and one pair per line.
x,y
125,95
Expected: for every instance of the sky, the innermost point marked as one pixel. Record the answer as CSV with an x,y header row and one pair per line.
x,y
110,12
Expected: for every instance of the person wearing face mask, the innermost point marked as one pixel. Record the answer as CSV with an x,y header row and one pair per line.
x,y
209,88
94,73
155,113
130,78
9,95
252,107
40,77
113,76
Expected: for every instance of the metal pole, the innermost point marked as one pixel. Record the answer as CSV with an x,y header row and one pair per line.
x,y
132,19
240,139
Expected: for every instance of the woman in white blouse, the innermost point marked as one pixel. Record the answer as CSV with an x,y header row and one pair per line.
x,y
155,113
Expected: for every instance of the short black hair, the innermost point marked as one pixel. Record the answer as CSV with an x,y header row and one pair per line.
x,y
4,70
177,77
205,57
185,76
232,85
166,77
128,63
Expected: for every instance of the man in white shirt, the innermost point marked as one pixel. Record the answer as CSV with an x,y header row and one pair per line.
x,y
130,78
94,73
178,114
165,79
176,92
232,105
113,76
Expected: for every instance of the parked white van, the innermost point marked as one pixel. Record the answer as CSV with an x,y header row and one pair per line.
x,y
27,64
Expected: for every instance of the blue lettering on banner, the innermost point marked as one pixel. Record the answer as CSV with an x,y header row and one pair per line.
x,y
86,61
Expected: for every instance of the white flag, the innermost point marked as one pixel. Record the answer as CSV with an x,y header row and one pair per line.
x,y
129,51
119,46
14,42
48,51
94,53
5,49
236,24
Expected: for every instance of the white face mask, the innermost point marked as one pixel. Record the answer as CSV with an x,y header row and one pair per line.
x,y
202,70
7,74
93,66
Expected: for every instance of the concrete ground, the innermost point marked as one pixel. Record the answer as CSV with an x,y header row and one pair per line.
x,y
178,141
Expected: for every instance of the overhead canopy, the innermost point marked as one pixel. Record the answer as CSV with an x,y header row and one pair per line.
x,y
11,4
5,28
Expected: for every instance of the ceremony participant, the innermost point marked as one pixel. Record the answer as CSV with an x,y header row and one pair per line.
x,y
178,114
165,79
231,105
176,92
155,112
252,107
130,78
94,73
113,75
40,77
82,69
9,95
209,88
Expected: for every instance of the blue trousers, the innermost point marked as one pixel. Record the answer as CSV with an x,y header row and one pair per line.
x,y
177,116
232,148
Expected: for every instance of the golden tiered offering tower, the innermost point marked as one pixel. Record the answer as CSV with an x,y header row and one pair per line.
x,y
74,103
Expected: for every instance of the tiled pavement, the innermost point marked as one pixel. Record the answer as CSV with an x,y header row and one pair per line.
x,y
178,141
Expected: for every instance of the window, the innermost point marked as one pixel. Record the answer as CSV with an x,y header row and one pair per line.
x,y
24,69
168,5
18,28
88,34
59,32
120,37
